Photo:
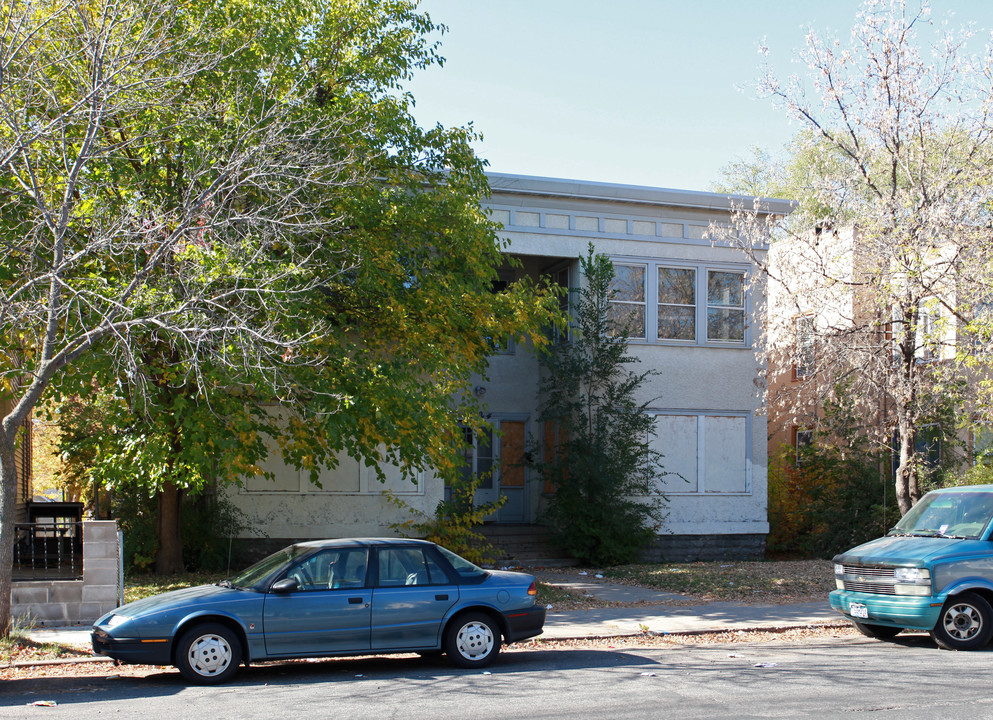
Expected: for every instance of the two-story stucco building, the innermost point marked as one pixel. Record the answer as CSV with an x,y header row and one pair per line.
x,y
697,311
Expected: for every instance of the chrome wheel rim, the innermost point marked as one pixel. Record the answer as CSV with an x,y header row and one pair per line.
x,y
209,655
962,622
474,641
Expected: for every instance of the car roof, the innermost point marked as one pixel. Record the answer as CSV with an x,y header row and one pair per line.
x,y
362,542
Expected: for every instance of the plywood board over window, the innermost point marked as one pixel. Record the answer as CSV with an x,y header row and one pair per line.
x,y
704,452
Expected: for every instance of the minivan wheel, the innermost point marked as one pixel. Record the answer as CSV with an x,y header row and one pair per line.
x,y
880,632
965,623
208,654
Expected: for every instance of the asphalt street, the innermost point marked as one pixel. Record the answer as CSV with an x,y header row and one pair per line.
x,y
908,679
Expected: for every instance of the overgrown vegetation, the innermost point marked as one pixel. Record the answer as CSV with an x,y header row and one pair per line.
x,y
209,523
455,522
606,506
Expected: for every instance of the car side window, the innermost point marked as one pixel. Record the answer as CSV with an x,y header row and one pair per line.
x,y
331,570
408,566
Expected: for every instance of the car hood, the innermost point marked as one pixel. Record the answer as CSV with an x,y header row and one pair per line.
x,y
903,550
187,597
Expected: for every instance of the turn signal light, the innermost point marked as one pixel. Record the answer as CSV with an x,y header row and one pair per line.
x,y
533,590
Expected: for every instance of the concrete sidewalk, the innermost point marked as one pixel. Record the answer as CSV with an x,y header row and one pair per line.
x,y
650,614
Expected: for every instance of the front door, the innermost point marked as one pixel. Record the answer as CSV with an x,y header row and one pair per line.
x,y
330,611
496,456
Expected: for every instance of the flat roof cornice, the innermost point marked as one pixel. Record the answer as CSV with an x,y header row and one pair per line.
x,y
503,183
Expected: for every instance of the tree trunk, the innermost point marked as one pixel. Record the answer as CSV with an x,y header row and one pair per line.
x,y
8,503
169,558
907,490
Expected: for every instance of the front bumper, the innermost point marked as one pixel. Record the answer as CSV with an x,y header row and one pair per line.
x,y
524,624
139,651
912,613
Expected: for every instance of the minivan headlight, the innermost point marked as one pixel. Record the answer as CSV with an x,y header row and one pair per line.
x,y
912,581
911,575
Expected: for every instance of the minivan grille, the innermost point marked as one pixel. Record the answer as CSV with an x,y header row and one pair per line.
x,y
875,580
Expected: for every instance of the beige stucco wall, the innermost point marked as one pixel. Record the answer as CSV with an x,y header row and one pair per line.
x,y
550,224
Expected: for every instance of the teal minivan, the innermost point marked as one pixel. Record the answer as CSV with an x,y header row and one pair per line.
x,y
932,572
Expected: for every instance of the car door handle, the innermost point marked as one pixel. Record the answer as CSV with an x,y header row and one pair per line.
x,y
440,597
354,601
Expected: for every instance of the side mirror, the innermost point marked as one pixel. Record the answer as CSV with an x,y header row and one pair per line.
x,y
285,585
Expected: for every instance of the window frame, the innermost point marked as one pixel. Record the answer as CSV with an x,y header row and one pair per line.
x,y
701,268
643,303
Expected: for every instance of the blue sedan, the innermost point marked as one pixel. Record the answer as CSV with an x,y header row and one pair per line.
x,y
328,597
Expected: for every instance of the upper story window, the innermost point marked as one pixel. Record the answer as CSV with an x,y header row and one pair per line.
x,y
627,302
725,306
689,304
677,304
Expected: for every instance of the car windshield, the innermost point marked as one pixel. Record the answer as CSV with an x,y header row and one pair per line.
x,y
263,568
948,514
463,567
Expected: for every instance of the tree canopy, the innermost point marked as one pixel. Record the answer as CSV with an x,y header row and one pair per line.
x,y
879,281
213,208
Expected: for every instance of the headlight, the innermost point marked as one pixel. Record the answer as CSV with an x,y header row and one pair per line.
x,y
912,581
911,575
839,569
116,620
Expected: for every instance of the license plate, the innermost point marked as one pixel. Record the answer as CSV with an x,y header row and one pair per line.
x,y
858,610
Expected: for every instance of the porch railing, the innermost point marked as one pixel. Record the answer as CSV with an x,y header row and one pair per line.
x,y
48,550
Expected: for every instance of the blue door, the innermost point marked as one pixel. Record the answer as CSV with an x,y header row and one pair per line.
x,y
329,612
411,598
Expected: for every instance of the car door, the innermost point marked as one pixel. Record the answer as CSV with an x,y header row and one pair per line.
x,y
330,610
411,598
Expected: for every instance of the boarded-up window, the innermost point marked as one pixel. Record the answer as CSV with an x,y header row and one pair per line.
x,y
677,440
725,453
704,453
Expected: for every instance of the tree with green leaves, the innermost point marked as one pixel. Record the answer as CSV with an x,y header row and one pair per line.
x,y
880,281
215,209
607,504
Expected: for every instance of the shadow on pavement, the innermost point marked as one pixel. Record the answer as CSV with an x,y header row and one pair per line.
x,y
114,686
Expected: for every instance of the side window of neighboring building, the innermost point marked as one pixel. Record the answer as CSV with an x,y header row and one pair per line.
x,y
803,361
802,439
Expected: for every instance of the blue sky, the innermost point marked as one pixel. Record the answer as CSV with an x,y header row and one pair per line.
x,y
641,92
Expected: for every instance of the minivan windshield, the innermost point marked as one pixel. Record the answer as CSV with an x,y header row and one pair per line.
x,y
948,514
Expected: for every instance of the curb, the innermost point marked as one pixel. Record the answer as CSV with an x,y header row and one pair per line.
x,y
689,633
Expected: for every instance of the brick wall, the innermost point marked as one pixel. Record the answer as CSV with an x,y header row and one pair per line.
x,y
75,602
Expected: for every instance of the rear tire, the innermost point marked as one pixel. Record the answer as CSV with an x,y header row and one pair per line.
x,y
208,654
879,632
472,640
965,623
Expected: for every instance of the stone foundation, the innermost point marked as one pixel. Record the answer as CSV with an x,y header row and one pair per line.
x,y
693,548
74,602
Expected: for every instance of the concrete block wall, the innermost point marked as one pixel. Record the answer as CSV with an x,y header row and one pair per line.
x,y
75,602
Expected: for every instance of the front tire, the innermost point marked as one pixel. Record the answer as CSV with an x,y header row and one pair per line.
x,y
880,632
208,654
965,623
472,640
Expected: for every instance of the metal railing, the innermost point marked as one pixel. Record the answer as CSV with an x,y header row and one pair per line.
x,y
48,550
